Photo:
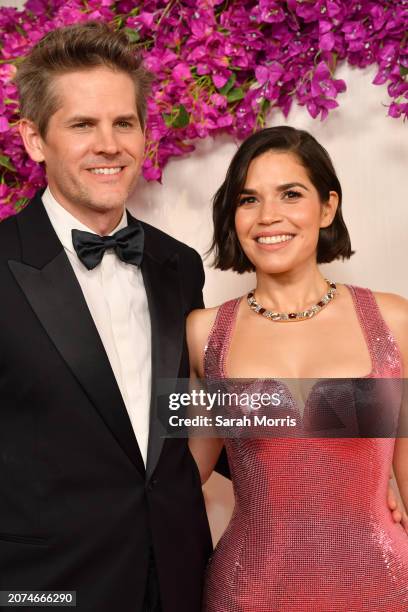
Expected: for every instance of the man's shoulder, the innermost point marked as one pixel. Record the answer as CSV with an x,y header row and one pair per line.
x,y
158,241
9,238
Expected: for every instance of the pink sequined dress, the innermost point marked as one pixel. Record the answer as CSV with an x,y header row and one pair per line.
x,y
311,530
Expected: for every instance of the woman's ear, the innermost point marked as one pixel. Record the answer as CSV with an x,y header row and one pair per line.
x,y
329,209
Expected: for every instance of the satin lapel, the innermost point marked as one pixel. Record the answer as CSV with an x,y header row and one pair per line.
x,y
162,283
57,299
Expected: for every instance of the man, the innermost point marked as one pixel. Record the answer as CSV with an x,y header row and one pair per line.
x,y
92,499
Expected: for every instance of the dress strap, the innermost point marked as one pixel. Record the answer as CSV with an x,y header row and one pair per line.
x,y
216,349
384,351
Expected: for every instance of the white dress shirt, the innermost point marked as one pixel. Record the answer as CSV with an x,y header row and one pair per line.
x,y
116,297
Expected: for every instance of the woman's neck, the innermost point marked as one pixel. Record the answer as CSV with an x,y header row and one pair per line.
x,y
292,291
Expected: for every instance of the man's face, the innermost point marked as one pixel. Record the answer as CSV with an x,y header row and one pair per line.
x,y
94,144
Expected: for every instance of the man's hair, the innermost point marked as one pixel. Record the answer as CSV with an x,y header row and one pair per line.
x,y
78,47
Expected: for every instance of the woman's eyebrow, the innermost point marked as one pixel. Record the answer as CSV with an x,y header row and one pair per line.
x,y
290,185
282,187
249,191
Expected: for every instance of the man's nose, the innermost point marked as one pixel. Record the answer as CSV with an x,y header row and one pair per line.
x,y
106,141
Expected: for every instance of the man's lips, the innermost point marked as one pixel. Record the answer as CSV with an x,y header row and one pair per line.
x,y
105,169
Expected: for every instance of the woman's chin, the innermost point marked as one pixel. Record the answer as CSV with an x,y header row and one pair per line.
x,y
273,267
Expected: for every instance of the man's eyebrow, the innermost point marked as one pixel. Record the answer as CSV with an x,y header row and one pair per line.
x,y
89,119
80,119
130,117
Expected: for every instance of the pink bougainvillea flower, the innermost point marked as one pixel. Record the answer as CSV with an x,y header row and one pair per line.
x,y
4,124
6,210
217,66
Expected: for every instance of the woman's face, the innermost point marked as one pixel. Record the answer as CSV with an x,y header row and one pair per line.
x,y
279,214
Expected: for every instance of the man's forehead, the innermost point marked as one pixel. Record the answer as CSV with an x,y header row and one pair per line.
x,y
99,81
95,92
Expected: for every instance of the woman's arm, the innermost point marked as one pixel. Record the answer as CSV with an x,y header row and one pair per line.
x,y
394,309
400,462
205,451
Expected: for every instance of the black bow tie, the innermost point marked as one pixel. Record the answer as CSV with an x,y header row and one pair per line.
x,y
127,244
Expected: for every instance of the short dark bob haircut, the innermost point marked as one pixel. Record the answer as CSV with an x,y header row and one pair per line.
x,y
334,241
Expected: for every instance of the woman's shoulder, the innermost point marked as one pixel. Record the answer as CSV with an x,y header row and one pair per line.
x,y
394,310
201,319
199,325
204,318
393,306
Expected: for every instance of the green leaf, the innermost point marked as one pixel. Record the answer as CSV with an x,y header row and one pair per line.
x,y
403,71
228,85
132,35
333,62
182,118
168,119
20,203
5,161
20,30
178,118
235,95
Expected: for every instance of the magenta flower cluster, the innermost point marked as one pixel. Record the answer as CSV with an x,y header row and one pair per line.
x,y
219,66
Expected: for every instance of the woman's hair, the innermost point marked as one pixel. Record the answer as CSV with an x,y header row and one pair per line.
x,y
78,47
334,241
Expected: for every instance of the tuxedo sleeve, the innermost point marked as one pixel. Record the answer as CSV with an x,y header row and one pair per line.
x,y
199,278
222,466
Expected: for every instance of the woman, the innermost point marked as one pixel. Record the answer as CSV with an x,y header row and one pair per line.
x,y
311,529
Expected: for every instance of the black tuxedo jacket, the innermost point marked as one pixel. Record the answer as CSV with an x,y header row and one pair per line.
x,y
78,510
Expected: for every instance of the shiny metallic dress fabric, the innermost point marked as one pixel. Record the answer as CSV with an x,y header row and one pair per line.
x,y
311,530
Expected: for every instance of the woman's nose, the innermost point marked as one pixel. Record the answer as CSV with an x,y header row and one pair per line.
x,y
269,212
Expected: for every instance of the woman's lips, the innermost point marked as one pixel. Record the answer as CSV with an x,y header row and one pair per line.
x,y
274,242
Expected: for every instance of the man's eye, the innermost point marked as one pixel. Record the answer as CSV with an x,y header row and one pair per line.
x,y
82,124
247,200
124,124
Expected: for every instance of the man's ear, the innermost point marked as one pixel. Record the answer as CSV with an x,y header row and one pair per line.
x,y
32,140
329,209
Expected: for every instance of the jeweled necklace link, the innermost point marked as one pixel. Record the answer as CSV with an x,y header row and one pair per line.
x,y
293,316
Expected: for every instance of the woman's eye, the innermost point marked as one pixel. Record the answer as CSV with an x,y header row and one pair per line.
x,y
247,200
291,195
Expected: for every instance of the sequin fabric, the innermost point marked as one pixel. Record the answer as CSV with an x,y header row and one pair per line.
x,y
311,529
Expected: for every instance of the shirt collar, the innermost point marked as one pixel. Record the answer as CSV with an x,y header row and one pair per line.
x,y
63,222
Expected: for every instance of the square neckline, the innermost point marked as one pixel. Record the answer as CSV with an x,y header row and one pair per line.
x,y
371,374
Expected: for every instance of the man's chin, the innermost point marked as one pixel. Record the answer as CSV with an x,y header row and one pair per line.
x,y
106,202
